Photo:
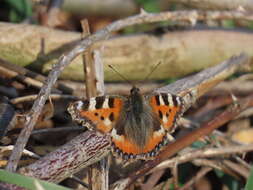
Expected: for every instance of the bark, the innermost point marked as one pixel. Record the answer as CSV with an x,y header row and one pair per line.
x,y
82,151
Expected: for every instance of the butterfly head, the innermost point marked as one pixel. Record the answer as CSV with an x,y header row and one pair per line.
x,y
135,90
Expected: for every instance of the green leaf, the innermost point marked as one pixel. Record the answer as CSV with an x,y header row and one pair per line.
x,y
149,5
250,25
219,173
229,181
19,10
230,24
199,144
249,184
27,182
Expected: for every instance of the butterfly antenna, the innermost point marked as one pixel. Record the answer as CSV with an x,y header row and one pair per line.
x,y
153,69
119,74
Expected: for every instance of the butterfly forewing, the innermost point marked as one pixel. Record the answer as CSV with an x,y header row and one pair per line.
x,y
168,108
100,113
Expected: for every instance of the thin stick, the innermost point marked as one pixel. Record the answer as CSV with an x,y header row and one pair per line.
x,y
28,77
89,77
152,180
237,168
175,175
74,178
88,64
103,167
26,80
207,153
58,130
33,97
99,68
217,164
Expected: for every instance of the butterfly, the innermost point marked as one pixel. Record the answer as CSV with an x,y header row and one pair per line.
x,y
139,125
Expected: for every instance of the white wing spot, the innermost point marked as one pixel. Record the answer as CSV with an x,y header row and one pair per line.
x,y
178,101
106,103
107,122
170,137
79,105
114,135
165,119
160,132
92,104
161,100
170,100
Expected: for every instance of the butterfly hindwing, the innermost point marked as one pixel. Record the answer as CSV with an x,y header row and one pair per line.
x,y
99,112
126,149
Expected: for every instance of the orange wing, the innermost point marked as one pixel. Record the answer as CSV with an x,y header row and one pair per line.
x,y
126,149
168,108
100,112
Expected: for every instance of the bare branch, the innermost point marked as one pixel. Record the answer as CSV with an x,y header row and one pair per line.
x,y
209,152
82,151
30,98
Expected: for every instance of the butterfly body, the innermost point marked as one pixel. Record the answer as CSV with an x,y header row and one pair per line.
x,y
139,125
136,120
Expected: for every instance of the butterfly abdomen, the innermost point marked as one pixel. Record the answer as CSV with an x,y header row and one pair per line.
x,y
137,120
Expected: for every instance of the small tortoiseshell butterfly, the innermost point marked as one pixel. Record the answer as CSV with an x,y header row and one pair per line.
x,y
139,125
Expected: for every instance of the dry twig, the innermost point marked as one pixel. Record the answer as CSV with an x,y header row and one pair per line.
x,y
88,65
153,179
30,98
25,76
210,152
